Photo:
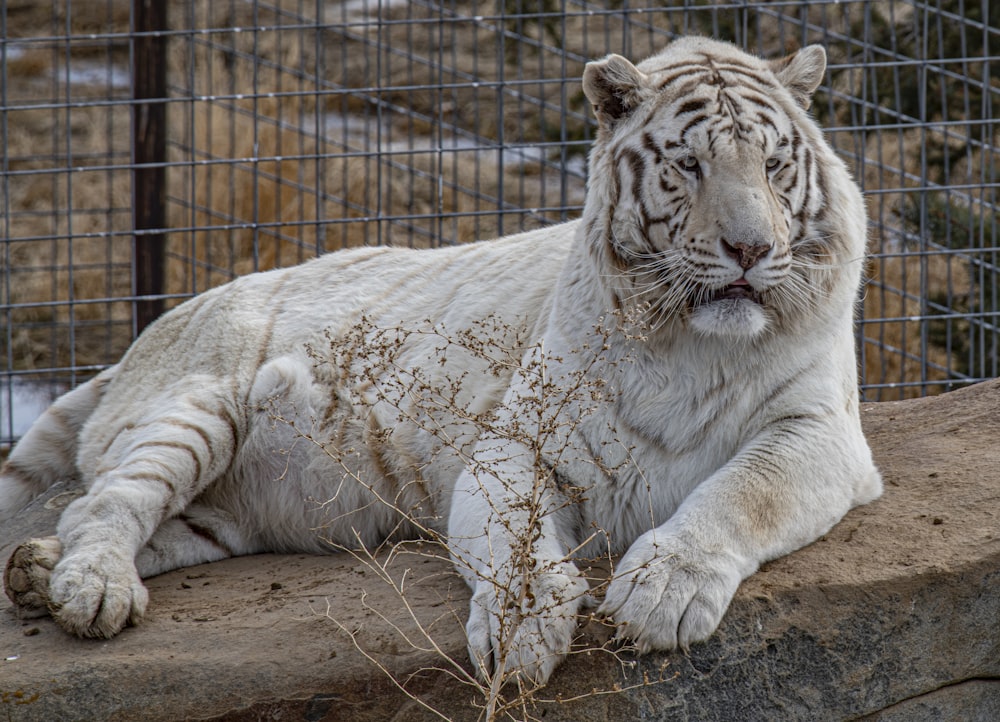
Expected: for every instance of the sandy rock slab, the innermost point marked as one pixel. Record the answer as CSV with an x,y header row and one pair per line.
x,y
894,615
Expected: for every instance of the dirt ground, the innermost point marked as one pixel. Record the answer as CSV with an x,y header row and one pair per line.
x,y
263,638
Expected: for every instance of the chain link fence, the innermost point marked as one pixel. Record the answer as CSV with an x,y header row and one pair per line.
x,y
154,150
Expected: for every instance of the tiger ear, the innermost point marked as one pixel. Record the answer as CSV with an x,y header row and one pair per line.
x,y
802,72
615,87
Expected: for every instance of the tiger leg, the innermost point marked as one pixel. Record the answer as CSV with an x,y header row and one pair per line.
x,y
47,452
151,472
200,535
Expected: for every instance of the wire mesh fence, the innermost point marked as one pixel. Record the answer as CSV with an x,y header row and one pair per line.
x,y
154,150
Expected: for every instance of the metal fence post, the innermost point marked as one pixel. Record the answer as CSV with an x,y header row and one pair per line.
x,y
149,146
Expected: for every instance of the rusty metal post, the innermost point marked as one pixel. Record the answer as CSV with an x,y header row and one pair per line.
x,y
149,149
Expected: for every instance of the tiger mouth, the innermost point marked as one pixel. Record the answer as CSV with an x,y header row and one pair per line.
x,y
741,290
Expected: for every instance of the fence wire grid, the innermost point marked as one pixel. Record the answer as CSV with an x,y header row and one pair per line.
x,y
154,150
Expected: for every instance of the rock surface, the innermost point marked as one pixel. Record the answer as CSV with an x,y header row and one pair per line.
x,y
892,616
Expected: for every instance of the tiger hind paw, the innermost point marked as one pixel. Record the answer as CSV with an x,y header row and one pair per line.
x,y
26,577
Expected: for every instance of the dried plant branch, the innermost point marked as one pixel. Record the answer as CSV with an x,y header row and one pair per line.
x,y
375,379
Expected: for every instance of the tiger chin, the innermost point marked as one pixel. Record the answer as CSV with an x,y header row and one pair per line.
x,y
720,250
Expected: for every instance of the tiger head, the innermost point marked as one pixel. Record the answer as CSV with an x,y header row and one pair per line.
x,y
713,198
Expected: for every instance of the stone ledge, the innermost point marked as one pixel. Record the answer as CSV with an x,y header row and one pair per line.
x,y
891,616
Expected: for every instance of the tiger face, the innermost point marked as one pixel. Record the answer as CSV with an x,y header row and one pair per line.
x,y
708,168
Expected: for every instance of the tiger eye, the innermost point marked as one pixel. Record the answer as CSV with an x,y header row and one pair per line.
x,y
689,162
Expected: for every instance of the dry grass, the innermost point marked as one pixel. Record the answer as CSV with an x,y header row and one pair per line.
x,y
532,587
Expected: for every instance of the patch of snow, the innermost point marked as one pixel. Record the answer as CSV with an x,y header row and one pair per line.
x,y
21,402
99,75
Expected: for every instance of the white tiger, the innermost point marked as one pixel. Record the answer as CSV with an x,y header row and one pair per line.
x,y
715,211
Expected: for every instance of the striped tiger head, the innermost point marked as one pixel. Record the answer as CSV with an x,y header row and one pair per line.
x,y
713,198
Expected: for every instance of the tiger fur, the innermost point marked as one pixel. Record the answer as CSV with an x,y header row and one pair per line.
x,y
716,214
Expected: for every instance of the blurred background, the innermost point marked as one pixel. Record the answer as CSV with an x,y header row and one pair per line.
x,y
152,150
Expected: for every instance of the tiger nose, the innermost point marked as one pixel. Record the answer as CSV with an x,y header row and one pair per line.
x,y
745,253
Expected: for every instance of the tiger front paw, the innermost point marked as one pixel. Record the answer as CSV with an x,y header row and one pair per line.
x,y
96,594
26,576
525,640
667,593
